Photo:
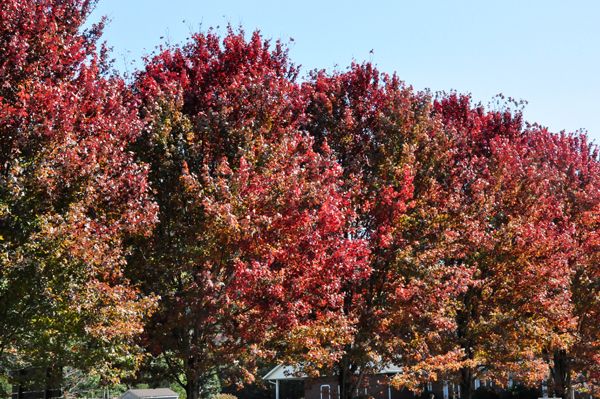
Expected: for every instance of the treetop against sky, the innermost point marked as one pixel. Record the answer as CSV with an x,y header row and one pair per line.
x,y
543,52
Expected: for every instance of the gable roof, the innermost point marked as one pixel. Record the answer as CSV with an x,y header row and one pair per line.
x,y
150,393
281,372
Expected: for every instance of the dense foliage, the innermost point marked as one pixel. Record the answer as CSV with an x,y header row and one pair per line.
x,y
217,213
250,243
69,194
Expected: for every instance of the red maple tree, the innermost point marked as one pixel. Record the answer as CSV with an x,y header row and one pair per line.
x,y
250,247
396,160
513,234
572,359
69,194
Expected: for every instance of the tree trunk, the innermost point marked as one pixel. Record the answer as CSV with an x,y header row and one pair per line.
x,y
471,300
560,373
348,381
467,384
192,387
467,377
342,377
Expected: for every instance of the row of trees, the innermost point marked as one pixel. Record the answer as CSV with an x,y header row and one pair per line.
x,y
218,210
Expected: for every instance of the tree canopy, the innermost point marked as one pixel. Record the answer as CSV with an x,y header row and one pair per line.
x,y
218,209
69,194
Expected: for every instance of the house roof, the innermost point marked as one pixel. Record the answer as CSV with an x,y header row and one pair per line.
x,y
152,393
282,372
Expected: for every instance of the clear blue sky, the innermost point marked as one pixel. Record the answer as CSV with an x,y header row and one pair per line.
x,y
546,52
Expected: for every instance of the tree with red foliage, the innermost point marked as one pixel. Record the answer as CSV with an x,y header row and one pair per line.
x,y
572,359
514,235
69,194
250,247
397,161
